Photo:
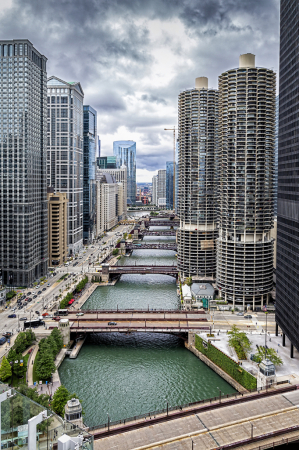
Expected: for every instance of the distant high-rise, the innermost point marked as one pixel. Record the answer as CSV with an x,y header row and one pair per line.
x,y
106,162
23,192
161,188
154,190
170,180
287,266
125,152
65,151
245,186
89,172
197,146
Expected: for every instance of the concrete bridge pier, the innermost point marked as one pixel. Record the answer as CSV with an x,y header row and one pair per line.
x,y
123,247
191,338
105,272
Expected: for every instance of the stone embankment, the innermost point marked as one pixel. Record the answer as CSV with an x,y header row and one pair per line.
x,y
216,369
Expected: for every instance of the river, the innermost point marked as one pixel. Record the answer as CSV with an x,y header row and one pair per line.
x,y
126,375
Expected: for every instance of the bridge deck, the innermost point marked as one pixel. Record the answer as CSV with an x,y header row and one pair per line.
x,y
246,424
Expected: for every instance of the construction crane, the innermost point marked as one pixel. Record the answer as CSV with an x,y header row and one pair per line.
x,y
173,182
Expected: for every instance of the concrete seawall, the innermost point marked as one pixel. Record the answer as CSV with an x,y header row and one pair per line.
x,y
216,369
75,351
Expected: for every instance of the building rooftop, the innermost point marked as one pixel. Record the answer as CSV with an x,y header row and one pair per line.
x,y
202,289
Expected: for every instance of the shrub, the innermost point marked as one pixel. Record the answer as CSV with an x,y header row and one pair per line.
x,y
226,363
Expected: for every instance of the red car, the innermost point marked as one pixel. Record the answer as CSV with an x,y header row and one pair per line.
x,y
45,314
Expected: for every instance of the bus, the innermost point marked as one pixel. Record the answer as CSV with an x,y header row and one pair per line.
x,y
61,312
33,323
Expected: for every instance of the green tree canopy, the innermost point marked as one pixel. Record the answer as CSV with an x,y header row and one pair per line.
x,y
5,369
45,365
271,354
239,340
60,397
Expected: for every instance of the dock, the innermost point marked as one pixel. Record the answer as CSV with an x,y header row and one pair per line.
x,y
75,351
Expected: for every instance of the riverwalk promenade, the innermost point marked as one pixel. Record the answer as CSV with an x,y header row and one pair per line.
x,y
246,422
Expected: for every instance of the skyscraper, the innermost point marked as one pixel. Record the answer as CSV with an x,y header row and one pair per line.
x,y
154,190
245,188
23,192
276,154
65,151
161,188
287,267
125,152
89,172
197,146
170,180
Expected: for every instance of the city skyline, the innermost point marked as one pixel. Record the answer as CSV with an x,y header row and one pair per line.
x,y
142,56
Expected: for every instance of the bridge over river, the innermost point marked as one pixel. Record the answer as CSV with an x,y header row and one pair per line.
x,y
151,246
140,320
106,271
256,420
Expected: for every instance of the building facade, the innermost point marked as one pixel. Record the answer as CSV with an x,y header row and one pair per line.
x,y
23,185
120,176
65,152
125,152
107,202
154,190
287,282
245,187
161,186
276,155
197,147
106,162
170,184
89,172
57,228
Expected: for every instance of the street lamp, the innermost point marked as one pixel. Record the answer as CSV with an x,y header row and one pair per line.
x,y
167,407
108,420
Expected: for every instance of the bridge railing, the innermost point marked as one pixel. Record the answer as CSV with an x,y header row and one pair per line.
x,y
165,411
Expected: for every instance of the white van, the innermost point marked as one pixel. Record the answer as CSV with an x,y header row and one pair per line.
x,y
67,264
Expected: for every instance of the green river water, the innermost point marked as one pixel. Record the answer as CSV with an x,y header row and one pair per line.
x,y
126,375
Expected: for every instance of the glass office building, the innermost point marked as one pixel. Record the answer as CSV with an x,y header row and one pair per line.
x,y
170,184
287,266
65,152
89,172
23,185
125,152
106,162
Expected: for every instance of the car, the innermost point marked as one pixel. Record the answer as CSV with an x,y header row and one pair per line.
x,y
56,318
35,296
112,323
29,299
12,316
45,314
28,293
36,312
23,318
48,284
36,287
44,289
7,334
39,292
2,340
248,316
80,314
240,314
20,307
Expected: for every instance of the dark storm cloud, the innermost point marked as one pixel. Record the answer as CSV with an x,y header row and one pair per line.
x,y
111,47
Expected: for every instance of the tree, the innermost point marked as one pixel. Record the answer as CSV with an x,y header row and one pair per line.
x,y
60,398
5,369
239,341
56,333
188,281
270,354
45,365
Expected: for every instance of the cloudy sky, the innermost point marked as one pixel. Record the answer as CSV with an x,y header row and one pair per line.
x,y
133,57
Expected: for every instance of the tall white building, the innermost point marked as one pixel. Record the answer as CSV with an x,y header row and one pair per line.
x,y
65,151
246,177
120,176
109,201
161,187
